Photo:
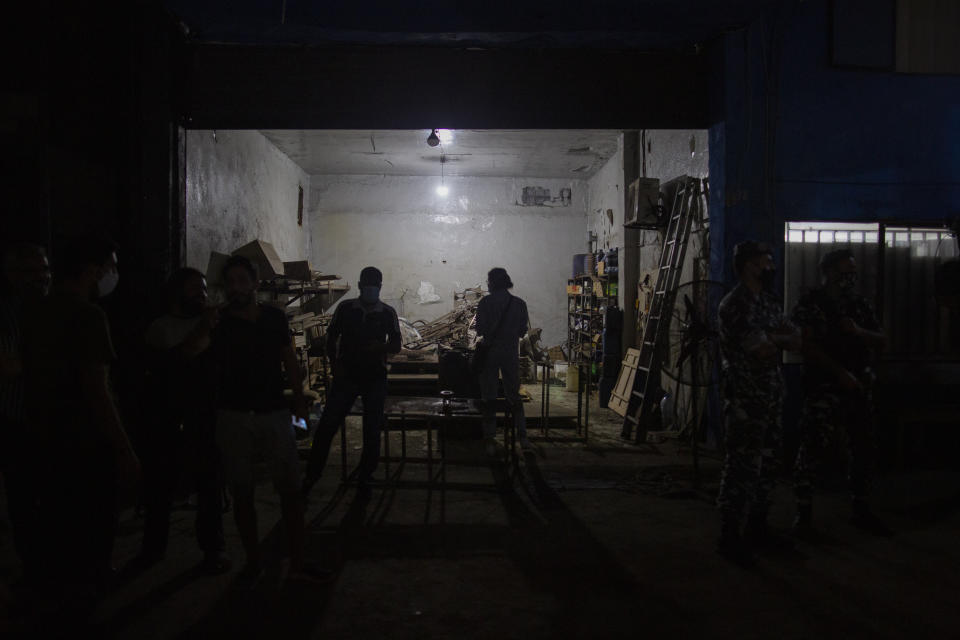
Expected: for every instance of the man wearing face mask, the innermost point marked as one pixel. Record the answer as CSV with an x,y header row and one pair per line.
x,y
25,280
67,356
753,332
182,425
841,337
362,332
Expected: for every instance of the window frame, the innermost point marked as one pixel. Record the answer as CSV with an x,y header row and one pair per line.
x,y
879,301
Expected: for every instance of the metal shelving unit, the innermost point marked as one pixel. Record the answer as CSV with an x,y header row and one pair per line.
x,y
585,311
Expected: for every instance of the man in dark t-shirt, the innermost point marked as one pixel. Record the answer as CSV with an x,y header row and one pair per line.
x,y
183,422
26,280
502,319
361,334
253,350
67,353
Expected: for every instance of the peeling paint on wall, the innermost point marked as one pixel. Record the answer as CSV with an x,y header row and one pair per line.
x,y
240,187
670,154
606,194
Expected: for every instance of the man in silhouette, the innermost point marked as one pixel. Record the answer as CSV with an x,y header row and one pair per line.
x,y
502,320
362,333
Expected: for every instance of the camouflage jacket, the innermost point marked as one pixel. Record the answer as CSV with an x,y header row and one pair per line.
x,y
821,314
746,318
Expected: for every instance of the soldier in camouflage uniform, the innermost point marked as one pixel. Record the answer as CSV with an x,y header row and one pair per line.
x,y
753,331
841,335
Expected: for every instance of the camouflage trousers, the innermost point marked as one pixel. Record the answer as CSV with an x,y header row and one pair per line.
x,y
752,420
826,417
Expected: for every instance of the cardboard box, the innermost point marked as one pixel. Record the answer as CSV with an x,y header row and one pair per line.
x,y
298,270
262,254
643,196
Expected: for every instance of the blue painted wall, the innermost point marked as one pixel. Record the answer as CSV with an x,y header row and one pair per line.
x,y
802,139
794,137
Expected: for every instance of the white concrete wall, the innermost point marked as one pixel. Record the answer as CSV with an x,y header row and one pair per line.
x,y
672,153
606,193
240,187
402,226
675,152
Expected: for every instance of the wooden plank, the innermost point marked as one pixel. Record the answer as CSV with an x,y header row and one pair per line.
x,y
620,396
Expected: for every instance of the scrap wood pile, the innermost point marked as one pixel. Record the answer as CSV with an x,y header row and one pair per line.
x,y
285,283
452,330
309,336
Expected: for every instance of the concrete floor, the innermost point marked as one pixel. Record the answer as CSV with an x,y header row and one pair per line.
x,y
593,540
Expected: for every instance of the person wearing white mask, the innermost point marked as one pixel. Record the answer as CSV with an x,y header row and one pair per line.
x,y
362,333
67,354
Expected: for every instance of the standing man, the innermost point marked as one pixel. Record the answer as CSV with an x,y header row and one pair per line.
x,y
253,349
361,334
502,320
26,280
183,425
841,336
67,353
753,331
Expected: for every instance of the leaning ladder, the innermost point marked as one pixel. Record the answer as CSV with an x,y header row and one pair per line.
x,y
643,398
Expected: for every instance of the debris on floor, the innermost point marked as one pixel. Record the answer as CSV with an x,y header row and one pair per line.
x,y
452,330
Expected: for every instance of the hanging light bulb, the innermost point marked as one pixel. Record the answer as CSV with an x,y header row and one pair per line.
x,y
433,139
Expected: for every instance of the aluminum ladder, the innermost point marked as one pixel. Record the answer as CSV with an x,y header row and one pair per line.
x,y
643,399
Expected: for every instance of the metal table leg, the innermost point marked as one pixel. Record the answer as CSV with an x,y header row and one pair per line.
x,y
429,450
510,437
543,402
546,386
343,451
579,398
586,416
443,453
385,431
